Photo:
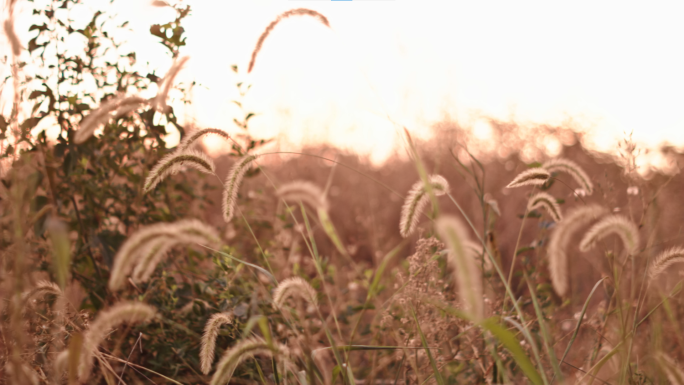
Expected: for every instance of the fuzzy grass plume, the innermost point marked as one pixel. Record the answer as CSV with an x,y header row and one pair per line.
x,y
243,351
559,243
416,200
294,287
106,321
170,164
232,185
466,270
674,373
572,168
152,255
284,15
133,248
211,331
666,259
190,139
533,177
548,202
159,102
304,191
614,224
102,114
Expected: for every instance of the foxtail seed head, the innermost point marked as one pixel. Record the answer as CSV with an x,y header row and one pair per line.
x,y
614,224
159,102
194,136
102,114
242,351
559,243
466,270
284,15
665,260
572,168
533,177
211,331
304,191
107,320
548,202
416,200
170,164
232,185
294,287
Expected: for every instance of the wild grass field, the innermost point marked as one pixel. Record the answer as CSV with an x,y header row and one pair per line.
x,y
128,261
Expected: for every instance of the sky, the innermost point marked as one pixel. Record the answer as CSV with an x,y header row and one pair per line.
x,y
609,67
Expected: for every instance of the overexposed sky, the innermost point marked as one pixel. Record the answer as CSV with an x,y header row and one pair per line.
x,y
611,67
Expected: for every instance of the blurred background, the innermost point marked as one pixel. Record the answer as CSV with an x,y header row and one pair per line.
x,y
603,70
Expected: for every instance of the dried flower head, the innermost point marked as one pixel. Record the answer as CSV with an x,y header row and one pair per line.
x,y
533,177
232,185
614,224
416,200
190,139
665,260
170,164
572,168
292,287
548,202
159,102
303,191
102,114
284,15
559,243
133,248
105,322
467,273
211,331
242,351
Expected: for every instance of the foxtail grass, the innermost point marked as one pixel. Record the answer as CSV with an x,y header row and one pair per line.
x,y
614,224
232,185
170,164
211,331
416,200
533,177
664,260
559,243
159,102
548,202
241,352
294,287
304,191
575,171
191,138
467,273
130,252
155,253
106,321
673,372
282,16
103,113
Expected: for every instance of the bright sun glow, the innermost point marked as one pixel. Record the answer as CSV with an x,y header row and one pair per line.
x,y
610,68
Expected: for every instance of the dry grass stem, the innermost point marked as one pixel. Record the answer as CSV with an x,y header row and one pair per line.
x,y
211,331
282,16
416,200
